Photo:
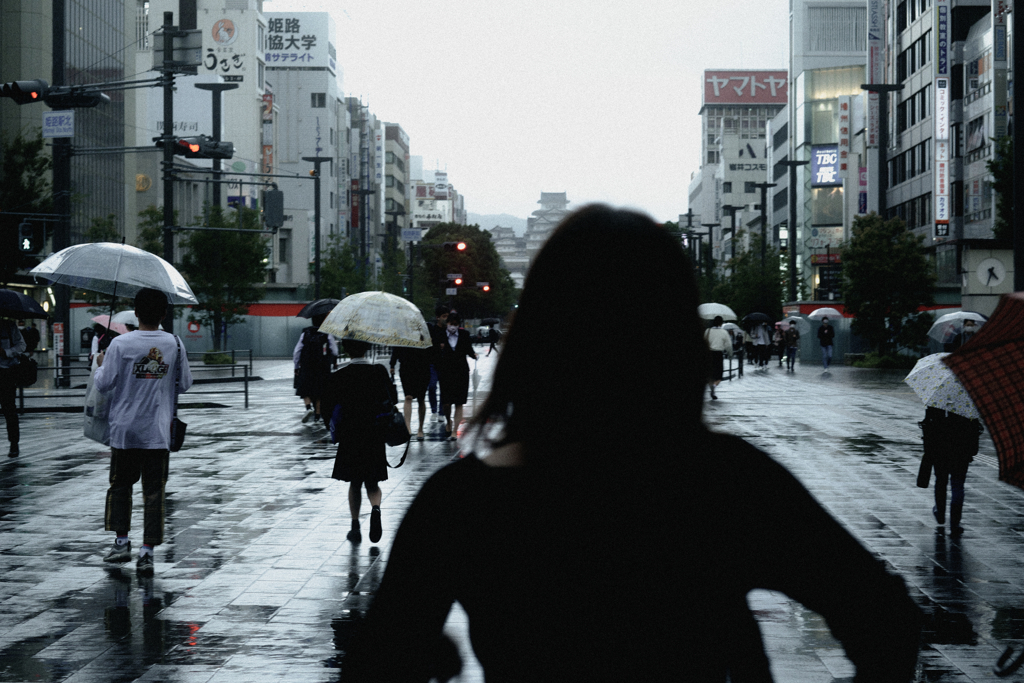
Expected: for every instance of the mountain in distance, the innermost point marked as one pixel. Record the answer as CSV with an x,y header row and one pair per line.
x,y
488,221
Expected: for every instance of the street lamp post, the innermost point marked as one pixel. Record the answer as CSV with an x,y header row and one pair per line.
x,y
731,209
316,219
791,228
764,218
883,90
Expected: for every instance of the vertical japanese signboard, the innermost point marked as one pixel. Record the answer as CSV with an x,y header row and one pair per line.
x,y
844,134
999,65
876,44
941,118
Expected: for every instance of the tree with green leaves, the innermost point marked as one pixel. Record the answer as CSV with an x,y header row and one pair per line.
x,y
751,287
478,263
887,276
24,188
226,270
150,236
339,272
1001,168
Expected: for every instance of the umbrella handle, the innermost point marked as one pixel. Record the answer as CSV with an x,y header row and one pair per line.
x,y
1004,667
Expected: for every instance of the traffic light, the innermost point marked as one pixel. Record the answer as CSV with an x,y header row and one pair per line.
x,y
24,92
457,282
200,147
483,286
29,241
57,97
454,246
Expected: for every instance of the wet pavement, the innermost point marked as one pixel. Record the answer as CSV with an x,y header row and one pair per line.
x,y
258,583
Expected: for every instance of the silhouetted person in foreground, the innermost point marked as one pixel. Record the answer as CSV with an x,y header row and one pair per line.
x,y
586,547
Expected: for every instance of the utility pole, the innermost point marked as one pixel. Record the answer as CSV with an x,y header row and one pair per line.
x,y
731,210
61,198
1018,151
711,258
167,82
316,220
216,89
764,218
791,229
883,90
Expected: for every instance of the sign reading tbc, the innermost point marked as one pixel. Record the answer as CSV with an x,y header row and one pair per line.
x,y
825,166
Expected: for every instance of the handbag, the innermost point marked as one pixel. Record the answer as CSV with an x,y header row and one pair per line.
x,y
96,425
177,426
24,370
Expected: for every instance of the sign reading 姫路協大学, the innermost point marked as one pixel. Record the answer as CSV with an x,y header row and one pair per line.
x,y
303,39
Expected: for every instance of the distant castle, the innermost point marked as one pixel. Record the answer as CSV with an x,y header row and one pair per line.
x,y
517,253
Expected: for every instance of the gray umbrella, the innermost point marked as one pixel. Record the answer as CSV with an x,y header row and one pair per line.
x,y
111,268
318,307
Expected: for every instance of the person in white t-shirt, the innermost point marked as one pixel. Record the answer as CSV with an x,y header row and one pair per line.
x,y
139,372
720,344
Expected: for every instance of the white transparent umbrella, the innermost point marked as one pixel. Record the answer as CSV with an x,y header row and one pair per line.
x,y
111,268
126,318
825,312
378,318
801,324
948,325
709,311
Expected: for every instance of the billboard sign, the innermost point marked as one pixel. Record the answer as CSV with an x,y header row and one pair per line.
x,y
745,87
825,166
301,39
941,210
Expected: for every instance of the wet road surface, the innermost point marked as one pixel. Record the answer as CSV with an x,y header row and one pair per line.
x,y
258,583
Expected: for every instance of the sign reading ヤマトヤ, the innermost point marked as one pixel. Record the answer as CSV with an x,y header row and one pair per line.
x,y
303,39
745,87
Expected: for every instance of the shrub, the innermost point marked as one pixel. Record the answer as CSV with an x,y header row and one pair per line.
x,y
216,358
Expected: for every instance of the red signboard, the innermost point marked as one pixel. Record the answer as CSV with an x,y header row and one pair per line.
x,y
824,259
746,87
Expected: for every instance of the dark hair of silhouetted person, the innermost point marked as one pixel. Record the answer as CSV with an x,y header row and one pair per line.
x,y
606,348
151,306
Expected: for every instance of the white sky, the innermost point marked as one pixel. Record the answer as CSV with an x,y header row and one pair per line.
x,y
598,99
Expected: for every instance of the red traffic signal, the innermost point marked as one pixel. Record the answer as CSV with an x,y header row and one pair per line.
x,y
458,281
24,92
483,286
200,147
454,246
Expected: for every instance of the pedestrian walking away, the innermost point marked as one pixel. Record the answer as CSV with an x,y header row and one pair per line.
x,y
719,344
543,514
761,344
454,372
950,444
414,371
779,342
30,334
143,372
826,334
313,356
355,395
792,343
493,336
11,344
437,337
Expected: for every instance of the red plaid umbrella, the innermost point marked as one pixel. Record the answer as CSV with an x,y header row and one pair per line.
x,y
991,368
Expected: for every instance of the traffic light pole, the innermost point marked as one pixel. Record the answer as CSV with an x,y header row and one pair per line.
x,y
764,218
61,199
167,80
791,228
316,219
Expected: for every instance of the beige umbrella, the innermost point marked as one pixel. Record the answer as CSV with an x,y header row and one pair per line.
x,y
378,318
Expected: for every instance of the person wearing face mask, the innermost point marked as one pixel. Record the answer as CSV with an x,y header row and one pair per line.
x,y
453,371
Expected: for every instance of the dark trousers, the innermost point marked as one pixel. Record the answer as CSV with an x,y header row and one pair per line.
x,y
955,474
126,468
7,403
432,389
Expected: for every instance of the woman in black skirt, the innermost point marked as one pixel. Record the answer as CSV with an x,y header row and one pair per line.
x,y
414,371
454,372
356,394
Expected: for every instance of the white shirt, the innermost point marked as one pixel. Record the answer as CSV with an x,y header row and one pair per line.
x,y
138,372
718,340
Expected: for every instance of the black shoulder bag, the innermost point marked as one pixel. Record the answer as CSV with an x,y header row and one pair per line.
x,y
177,426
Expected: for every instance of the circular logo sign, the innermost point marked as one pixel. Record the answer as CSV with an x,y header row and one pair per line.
x,y
193,327
224,32
238,167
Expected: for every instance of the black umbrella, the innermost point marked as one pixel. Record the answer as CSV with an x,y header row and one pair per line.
x,y
17,305
756,318
318,307
490,321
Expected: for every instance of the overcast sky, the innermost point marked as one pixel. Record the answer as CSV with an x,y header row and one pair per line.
x,y
598,99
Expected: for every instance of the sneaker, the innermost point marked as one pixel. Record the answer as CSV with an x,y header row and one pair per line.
x,y
308,416
375,527
354,536
144,566
119,553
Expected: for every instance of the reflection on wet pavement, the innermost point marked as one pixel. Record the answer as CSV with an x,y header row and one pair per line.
x,y
257,581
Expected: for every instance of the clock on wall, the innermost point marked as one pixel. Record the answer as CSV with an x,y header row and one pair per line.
x,y
991,272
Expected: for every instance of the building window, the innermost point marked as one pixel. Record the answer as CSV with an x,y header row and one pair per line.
x,y
727,188
976,134
389,181
837,29
749,187
318,100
